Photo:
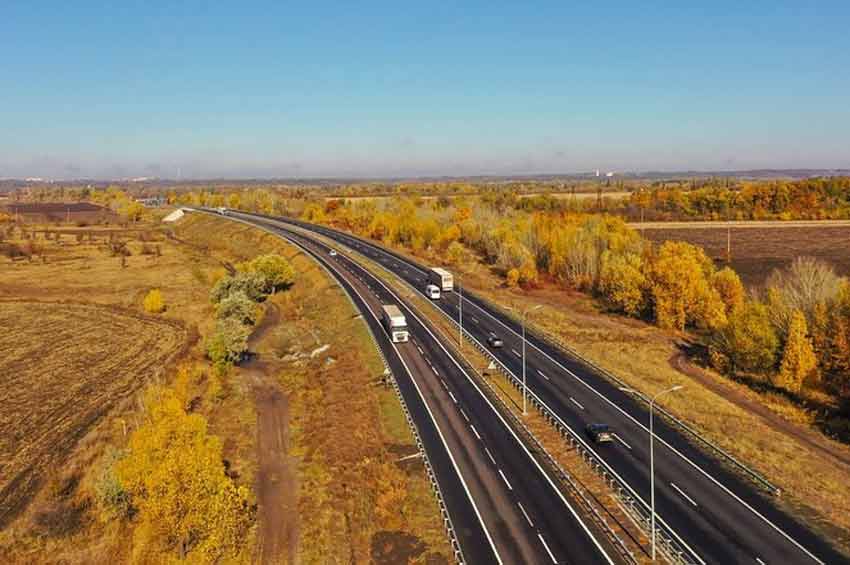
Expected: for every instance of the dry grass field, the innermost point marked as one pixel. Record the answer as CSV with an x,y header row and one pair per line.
x,y
64,366
757,249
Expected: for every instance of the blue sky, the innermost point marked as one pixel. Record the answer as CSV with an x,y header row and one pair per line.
x,y
306,89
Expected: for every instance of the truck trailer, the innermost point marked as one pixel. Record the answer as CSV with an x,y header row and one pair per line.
x,y
395,323
442,278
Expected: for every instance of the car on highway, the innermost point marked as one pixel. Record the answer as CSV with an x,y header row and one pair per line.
x,y
432,291
600,433
494,341
332,252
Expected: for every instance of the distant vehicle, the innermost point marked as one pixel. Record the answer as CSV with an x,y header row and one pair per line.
x,y
494,341
395,323
221,210
332,252
432,291
600,433
442,278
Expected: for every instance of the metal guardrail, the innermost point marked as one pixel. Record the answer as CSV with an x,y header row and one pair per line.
x,y
447,521
545,336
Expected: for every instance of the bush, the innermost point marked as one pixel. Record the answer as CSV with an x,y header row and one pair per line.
x,y
154,303
238,306
229,342
274,272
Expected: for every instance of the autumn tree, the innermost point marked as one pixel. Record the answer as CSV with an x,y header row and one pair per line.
x,y
622,283
728,285
747,343
175,478
798,357
274,272
679,277
238,306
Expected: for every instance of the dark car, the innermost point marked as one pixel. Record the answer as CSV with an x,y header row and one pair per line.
x,y
600,433
494,341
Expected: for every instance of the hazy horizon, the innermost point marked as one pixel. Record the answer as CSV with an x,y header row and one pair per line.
x,y
337,91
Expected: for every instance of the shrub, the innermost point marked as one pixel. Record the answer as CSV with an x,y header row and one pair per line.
x,y
238,306
622,282
154,303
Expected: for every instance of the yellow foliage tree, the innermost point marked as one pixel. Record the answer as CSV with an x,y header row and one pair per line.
x,y
512,278
154,303
798,357
727,283
622,283
679,282
175,477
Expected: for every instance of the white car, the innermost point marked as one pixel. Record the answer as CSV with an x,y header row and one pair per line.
x,y
432,291
332,253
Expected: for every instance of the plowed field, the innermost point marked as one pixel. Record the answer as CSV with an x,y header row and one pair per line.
x,y
62,367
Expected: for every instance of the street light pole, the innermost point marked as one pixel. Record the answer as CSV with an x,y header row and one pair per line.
x,y
652,457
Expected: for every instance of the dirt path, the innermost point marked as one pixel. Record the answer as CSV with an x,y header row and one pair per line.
x,y
809,438
276,493
278,530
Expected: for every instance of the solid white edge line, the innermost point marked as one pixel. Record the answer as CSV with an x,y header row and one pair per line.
x,y
680,491
524,513
422,398
549,551
504,478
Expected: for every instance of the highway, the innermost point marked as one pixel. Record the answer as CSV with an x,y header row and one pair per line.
x,y
716,515
503,503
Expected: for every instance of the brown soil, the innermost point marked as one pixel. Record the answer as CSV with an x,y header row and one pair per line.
x,y
812,439
757,250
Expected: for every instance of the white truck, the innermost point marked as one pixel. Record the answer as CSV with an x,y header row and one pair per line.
x,y
442,278
395,323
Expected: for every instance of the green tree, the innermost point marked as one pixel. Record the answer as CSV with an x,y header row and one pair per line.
x,y
238,306
748,342
798,357
229,342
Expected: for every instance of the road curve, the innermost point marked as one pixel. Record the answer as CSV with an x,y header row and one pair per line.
x,y
717,515
504,506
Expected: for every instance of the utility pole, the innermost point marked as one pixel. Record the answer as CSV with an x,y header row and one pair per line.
x,y
728,243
